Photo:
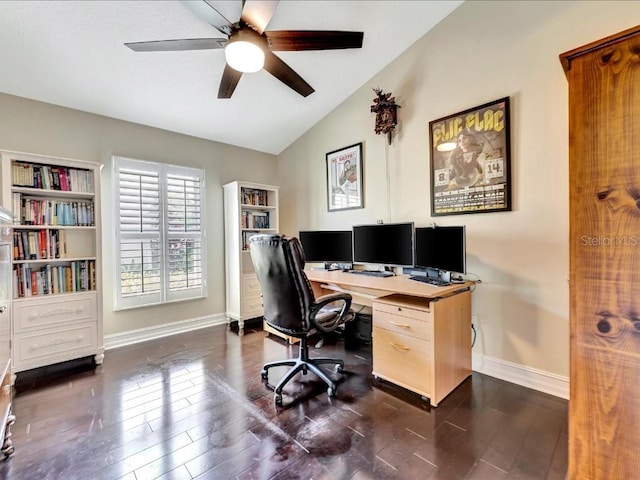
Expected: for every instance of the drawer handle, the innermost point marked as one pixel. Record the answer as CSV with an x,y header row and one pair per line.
x,y
403,325
53,313
399,347
56,342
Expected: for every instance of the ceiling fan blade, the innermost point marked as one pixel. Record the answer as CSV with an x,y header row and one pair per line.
x,y
283,72
258,13
207,12
230,79
178,45
296,40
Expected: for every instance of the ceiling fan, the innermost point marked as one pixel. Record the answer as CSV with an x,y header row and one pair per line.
x,y
249,47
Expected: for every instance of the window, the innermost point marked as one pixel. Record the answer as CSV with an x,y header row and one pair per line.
x,y
160,233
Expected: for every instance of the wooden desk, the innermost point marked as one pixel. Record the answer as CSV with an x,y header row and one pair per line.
x,y
421,333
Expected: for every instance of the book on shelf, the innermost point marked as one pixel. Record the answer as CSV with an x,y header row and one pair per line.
x,y
251,219
77,276
39,211
253,196
39,244
51,177
246,236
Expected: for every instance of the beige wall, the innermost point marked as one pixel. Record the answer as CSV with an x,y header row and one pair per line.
x,y
482,52
35,127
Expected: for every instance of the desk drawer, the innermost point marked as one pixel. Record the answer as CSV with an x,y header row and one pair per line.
x,y
402,325
403,308
403,360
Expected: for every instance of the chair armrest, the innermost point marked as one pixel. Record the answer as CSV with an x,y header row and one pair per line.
x,y
323,301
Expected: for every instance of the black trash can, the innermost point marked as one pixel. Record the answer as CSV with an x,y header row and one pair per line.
x,y
358,331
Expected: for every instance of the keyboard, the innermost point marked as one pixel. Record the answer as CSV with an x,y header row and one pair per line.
x,y
430,281
372,273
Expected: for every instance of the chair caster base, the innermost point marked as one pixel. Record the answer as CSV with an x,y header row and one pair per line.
x,y
278,400
331,392
264,374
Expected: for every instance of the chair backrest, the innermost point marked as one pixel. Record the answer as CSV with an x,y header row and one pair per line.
x,y
286,291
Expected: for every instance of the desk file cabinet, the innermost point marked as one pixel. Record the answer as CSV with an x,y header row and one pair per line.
x,y
422,344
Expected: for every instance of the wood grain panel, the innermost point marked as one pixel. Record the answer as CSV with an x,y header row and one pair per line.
x,y
402,359
452,350
604,202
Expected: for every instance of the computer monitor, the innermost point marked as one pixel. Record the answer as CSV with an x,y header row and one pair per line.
x,y
328,246
441,248
388,244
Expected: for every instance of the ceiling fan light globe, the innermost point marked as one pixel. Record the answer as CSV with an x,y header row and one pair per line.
x,y
246,57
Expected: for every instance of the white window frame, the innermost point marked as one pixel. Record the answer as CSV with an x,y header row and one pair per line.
x,y
165,294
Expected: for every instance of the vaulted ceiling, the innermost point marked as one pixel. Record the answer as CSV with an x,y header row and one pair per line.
x,y
72,54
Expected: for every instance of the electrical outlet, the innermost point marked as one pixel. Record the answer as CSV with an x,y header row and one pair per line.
x,y
379,221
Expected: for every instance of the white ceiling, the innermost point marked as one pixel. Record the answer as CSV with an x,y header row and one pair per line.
x,y
71,53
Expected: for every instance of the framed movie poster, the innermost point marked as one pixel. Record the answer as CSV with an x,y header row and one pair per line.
x,y
470,161
344,178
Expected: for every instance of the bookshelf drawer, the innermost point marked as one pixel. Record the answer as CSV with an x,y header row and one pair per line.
x,y
40,313
252,304
43,347
251,285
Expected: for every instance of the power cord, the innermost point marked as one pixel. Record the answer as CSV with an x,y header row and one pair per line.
x,y
473,342
477,279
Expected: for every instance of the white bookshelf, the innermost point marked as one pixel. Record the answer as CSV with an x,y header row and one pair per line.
x,y
56,259
249,208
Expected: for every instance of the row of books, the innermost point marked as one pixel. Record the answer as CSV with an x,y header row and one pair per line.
x,y
253,196
255,219
39,244
50,177
37,211
78,276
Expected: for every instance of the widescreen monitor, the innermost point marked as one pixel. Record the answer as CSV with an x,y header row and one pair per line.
x,y
441,248
389,244
327,246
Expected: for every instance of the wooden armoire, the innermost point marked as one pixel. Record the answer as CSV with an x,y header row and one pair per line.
x,y
604,203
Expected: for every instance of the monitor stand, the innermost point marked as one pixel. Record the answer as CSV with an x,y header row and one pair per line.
x,y
432,273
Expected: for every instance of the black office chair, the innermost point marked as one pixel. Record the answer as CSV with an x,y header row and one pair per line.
x,y
291,307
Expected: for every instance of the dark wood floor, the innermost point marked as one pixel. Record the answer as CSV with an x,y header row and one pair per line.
x,y
193,406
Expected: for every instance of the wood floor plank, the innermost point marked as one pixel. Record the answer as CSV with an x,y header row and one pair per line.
x,y
193,406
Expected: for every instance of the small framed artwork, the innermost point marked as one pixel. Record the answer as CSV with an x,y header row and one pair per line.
x,y
470,160
344,178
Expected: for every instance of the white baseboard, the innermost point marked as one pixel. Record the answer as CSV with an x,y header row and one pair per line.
x,y
519,374
116,340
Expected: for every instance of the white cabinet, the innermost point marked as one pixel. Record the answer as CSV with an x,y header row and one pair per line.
x,y
249,209
56,259
6,417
